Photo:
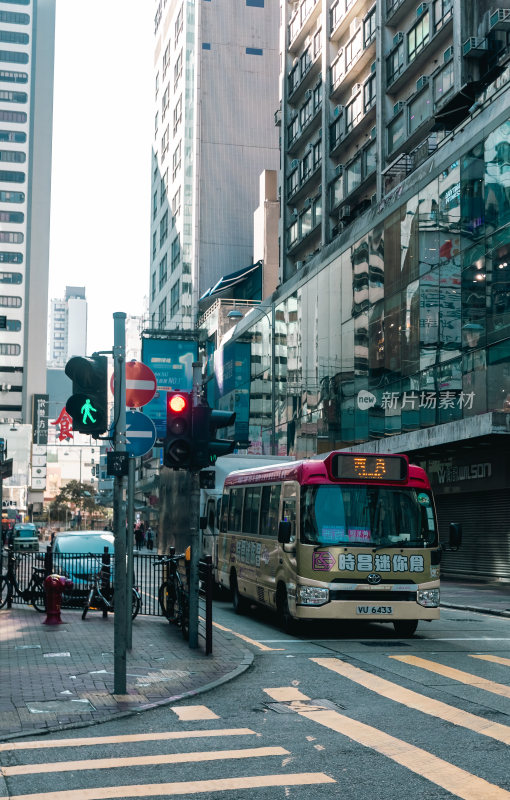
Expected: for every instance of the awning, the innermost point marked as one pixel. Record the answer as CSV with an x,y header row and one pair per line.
x,y
228,281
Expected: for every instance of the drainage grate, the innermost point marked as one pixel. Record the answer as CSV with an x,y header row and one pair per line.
x,y
60,706
294,706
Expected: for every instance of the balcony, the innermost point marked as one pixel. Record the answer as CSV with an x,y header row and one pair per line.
x,y
350,126
408,56
303,74
342,14
309,126
308,179
397,10
351,62
305,15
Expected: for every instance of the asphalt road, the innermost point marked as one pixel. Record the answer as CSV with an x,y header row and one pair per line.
x,y
336,712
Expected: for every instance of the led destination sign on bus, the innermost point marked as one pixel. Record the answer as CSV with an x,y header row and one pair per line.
x,y
353,466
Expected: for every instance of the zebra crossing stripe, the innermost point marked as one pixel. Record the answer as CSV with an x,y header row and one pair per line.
x,y
456,674
416,701
494,659
184,787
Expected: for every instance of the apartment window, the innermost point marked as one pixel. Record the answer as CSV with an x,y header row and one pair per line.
x,y
10,237
292,182
178,23
14,18
13,136
186,287
418,37
305,222
11,277
13,325
369,27
10,258
395,63
177,70
317,43
156,88
369,93
369,156
12,216
13,77
306,112
317,97
10,349
153,286
176,253
254,51
444,81
166,59
156,123
165,140
14,37
306,166
154,245
176,161
164,186
353,112
293,129
396,132
176,203
155,205
162,272
13,97
442,13
255,3
336,131
162,313
177,114
174,299
317,210
165,101
15,156
419,110
353,175
292,235
163,228
293,78
317,154
13,57
305,62
7,301
353,48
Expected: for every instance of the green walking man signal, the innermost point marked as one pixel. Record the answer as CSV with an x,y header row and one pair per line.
x,y
88,405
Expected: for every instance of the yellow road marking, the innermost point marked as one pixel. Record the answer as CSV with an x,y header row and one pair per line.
x,y
246,638
137,761
188,713
286,693
457,781
91,741
183,787
456,675
419,702
495,659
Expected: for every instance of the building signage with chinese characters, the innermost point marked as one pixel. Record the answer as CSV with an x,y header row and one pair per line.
x,y
40,410
65,422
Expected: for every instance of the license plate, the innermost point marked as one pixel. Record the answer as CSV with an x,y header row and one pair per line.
x,y
370,611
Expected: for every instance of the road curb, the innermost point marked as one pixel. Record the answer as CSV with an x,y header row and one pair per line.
x,y
479,609
245,664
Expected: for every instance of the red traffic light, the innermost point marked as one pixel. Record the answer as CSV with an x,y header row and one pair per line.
x,y
177,403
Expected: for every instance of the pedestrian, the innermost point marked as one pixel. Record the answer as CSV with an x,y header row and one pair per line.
x,y
149,538
138,537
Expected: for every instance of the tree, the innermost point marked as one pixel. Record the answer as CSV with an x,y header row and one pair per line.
x,y
78,495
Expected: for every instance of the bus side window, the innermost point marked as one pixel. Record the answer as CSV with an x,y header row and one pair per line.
x,y
264,511
235,510
289,506
224,512
274,511
251,509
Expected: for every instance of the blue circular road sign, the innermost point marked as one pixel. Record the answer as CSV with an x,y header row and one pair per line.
x,y
140,433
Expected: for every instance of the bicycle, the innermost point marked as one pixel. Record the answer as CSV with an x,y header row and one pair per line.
x,y
10,588
172,596
101,594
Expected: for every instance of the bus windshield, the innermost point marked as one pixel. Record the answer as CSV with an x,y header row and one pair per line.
x,y
372,515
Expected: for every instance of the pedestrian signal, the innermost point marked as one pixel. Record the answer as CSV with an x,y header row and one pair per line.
x,y
88,405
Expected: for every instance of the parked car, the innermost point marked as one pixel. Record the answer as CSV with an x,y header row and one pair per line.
x,y
77,555
24,537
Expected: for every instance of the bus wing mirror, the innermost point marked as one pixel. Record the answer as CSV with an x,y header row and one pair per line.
x,y
284,531
455,538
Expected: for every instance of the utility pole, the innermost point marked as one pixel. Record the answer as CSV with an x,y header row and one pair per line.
x,y
129,538
195,523
119,515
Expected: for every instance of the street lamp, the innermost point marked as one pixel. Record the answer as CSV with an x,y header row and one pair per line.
x,y
236,314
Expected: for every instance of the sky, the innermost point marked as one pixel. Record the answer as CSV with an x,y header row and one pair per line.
x,y
103,116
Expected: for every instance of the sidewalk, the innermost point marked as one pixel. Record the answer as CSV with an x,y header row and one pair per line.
x,y
492,598
53,677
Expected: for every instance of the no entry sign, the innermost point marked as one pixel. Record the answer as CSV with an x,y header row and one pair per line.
x,y
140,384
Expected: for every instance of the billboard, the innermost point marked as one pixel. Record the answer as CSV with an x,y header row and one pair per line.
x,y
171,361
232,364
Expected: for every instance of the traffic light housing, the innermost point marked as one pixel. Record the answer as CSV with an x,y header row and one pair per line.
x,y
88,405
220,447
178,445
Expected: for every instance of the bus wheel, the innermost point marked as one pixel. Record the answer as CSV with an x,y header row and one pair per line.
x,y
285,620
240,603
405,627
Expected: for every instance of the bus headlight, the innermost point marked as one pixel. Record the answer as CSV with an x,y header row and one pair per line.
x,y
428,597
312,595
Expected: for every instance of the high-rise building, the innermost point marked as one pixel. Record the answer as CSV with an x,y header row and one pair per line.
x,y
68,327
216,88
27,30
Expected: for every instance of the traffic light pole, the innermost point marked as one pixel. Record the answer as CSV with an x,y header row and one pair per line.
x,y
119,516
129,545
194,525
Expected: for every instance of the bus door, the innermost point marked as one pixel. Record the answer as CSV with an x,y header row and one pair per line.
x,y
287,557
267,566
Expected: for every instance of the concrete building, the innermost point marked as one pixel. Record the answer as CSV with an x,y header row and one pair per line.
x,y
216,88
391,328
68,327
26,101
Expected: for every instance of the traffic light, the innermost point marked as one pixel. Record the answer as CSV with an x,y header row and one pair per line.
x,y
88,405
220,447
178,445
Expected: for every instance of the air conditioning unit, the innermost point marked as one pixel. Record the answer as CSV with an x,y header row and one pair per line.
x,y
422,8
308,94
499,20
399,37
337,111
421,82
373,66
294,163
475,47
299,264
345,212
339,169
294,212
398,107
356,88
278,117
448,53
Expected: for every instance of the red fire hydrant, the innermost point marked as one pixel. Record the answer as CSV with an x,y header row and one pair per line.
x,y
54,585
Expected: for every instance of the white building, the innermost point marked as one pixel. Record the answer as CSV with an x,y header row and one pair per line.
x,y
27,30
68,327
216,90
